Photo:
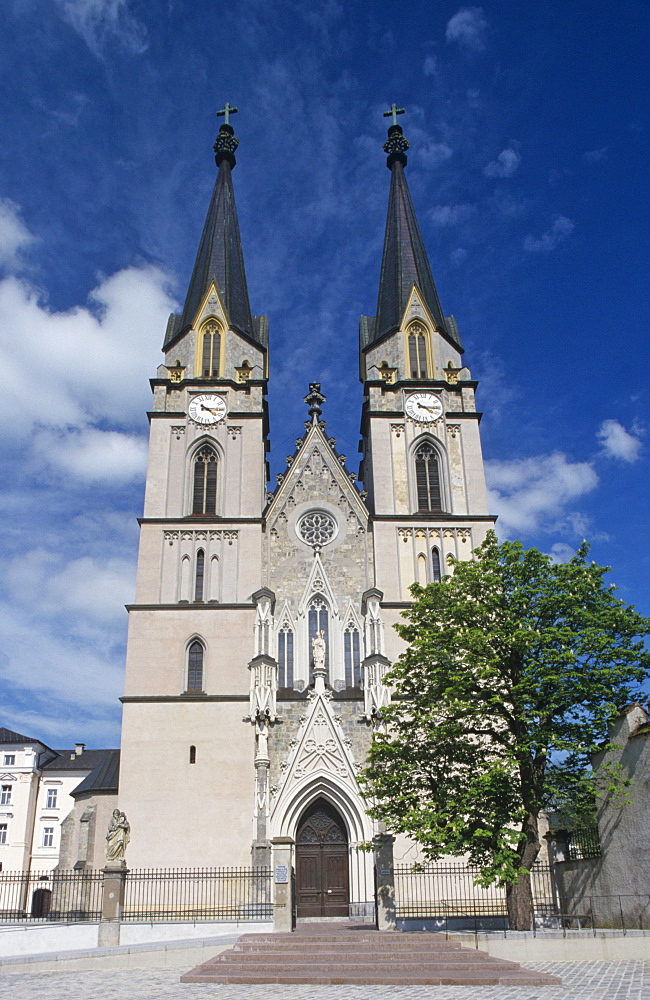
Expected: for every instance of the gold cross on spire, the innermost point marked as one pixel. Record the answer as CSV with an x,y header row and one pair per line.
x,y
227,111
394,112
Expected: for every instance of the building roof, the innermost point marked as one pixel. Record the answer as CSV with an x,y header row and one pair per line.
x,y
68,760
104,778
404,262
9,736
220,259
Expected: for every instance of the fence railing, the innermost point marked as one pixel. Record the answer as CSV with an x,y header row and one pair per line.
x,y
198,894
51,896
583,842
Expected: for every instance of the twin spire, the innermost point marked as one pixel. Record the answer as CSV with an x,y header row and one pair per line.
x,y
220,259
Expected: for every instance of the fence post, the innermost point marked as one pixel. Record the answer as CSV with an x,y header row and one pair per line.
x,y
386,915
113,890
282,855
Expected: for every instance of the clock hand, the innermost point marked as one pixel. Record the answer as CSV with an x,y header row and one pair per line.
x,y
209,409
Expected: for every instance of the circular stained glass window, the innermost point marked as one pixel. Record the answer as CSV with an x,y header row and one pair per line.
x,y
317,527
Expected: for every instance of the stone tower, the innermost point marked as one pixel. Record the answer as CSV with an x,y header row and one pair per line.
x,y
261,632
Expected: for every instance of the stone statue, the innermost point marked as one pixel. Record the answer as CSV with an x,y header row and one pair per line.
x,y
118,836
318,650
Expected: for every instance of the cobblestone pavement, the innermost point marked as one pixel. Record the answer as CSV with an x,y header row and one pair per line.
x,y
582,981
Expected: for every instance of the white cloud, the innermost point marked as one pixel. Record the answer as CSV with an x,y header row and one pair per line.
x,y
559,231
14,234
596,155
468,27
430,66
505,164
617,442
451,215
459,255
562,552
71,369
532,494
93,455
92,587
100,22
430,154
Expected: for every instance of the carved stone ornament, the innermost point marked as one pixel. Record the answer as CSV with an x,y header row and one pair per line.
x,y
317,527
117,838
178,431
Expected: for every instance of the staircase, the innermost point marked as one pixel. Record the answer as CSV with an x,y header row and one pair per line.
x,y
345,954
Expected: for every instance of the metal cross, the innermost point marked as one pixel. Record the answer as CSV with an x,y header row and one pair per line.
x,y
394,111
228,111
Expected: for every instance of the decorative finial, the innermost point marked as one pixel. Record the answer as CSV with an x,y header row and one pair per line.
x,y
396,145
226,143
314,398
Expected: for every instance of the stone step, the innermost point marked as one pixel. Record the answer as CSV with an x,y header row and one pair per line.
x,y
357,956
369,979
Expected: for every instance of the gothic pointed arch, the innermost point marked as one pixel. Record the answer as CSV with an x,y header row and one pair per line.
x,y
195,650
210,345
204,478
428,475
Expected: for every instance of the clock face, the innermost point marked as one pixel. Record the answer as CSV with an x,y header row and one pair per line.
x,y
423,407
206,409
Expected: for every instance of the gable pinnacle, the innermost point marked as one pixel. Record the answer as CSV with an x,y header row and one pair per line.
x,y
313,399
225,144
396,145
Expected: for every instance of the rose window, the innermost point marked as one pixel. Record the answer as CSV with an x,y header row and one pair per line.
x,y
317,527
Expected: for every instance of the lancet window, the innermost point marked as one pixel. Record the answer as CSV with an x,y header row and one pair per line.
x,y
417,349
436,574
204,496
427,478
199,575
210,350
318,622
285,656
195,656
352,653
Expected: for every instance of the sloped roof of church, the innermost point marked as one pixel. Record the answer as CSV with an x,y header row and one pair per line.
x,y
104,778
220,259
9,736
404,262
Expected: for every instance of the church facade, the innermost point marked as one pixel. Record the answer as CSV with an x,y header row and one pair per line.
x,y
261,631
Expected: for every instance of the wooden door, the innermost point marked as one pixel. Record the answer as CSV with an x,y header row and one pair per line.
x,y
322,881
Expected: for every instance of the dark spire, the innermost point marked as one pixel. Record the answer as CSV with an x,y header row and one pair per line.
x,y
219,257
405,260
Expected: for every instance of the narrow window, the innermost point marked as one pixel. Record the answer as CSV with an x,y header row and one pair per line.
x,y
5,795
10,758
285,657
195,667
204,499
351,648
3,833
52,795
211,351
192,755
422,569
198,580
436,575
427,476
417,352
48,836
318,622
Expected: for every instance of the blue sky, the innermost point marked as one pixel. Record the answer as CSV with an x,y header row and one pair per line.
x,y
530,142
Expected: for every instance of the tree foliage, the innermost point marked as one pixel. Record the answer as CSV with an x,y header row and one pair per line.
x,y
515,666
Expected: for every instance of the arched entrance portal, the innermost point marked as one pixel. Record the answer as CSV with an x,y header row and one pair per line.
x,y
322,881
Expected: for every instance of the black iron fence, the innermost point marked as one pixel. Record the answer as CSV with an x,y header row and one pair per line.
x,y
583,842
51,896
198,894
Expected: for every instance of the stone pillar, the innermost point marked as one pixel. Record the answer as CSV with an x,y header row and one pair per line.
x,y
385,882
282,854
112,903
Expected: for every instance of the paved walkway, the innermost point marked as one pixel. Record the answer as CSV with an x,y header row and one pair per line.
x,y
582,981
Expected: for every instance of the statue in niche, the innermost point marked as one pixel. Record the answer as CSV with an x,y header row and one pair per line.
x,y
118,836
318,650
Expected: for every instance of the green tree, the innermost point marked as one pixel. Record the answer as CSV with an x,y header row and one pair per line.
x,y
515,666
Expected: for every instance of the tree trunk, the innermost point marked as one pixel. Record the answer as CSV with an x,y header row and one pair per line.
x,y
519,900
519,896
